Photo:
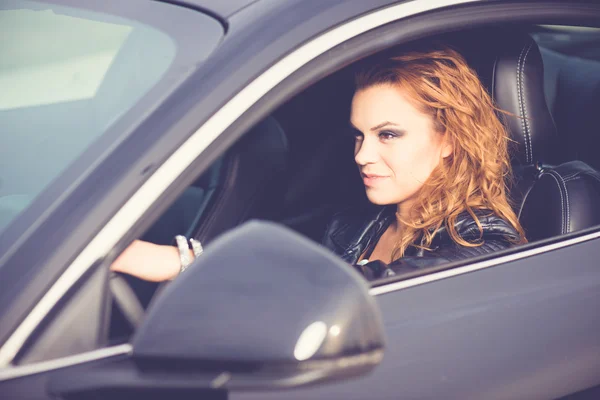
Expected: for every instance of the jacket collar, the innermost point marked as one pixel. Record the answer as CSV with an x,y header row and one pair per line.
x,y
362,229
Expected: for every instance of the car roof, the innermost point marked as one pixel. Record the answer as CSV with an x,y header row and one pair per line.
x,y
223,9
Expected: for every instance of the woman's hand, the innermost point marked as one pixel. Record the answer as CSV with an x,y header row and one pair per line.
x,y
149,261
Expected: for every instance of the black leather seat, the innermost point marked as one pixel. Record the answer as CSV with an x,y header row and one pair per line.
x,y
248,181
553,195
323,178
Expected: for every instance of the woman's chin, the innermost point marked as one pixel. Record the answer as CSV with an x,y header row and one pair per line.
x,y
379,200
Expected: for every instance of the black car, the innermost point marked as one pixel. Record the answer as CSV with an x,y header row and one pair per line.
x,y
110,111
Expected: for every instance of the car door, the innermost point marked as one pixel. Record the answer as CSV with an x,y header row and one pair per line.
x,y
519,326
522,326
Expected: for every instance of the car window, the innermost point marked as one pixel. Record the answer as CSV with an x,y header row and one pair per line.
x,y
578,41
571,57
67,74
76,79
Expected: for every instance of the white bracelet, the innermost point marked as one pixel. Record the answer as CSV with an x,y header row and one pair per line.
x,y
196,247
184,252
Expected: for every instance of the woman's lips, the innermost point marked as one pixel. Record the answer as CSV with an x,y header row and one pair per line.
x,y
372,180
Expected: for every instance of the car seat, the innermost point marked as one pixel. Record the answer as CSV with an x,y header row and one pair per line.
x,y
553,195
248,181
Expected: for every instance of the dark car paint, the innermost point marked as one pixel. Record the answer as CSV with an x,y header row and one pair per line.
x,y
521,330
220,9
525,329
549,293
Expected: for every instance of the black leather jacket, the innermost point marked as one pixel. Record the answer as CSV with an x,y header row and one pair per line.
x,y
354,232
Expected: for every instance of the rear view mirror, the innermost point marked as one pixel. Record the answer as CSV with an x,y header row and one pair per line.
x,y
262,308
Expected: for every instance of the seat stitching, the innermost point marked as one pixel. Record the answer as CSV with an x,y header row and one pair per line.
x,y
520,100
572,178
556,177
571,175
568,204
562,206
525,119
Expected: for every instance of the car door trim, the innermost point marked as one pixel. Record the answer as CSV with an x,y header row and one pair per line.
x,y
63,362
156,184
449,273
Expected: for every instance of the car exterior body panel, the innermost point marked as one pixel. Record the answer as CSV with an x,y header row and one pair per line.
x,y
524,329
220,9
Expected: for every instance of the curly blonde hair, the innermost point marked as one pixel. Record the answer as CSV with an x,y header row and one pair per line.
x,y
476,175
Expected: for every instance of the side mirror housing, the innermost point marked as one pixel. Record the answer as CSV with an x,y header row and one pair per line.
x,y
262,308
268,307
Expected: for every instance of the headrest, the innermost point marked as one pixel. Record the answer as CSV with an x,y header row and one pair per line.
x,y
518,87
265,145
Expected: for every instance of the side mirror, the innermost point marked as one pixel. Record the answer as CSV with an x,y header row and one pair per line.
x,y
262,308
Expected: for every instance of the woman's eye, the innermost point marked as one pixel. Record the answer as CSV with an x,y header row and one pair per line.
x,y
386,135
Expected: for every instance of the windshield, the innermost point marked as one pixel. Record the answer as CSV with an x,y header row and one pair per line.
x,y
68,74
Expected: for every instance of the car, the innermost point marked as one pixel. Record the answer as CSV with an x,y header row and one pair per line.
x,y
111,111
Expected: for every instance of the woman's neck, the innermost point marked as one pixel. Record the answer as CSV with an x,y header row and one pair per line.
x,y
403,210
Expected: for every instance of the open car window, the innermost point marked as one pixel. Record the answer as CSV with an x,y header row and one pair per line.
x,y
315,123
574,41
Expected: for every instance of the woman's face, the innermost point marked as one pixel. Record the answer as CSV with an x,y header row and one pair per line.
x,y
396,147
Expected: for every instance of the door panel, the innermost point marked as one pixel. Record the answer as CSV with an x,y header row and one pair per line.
x,y
525,329
35,385
27,388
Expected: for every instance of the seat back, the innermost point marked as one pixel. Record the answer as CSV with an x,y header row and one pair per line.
x,y
247,182
553,195
562,199
323,178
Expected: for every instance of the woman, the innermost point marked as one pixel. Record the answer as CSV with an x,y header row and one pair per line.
x,y
431,150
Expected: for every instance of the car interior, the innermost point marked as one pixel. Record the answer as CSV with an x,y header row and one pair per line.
x,y
296,166
556,185
307,169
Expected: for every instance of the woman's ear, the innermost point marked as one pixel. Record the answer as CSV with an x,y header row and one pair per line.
x,y
447,146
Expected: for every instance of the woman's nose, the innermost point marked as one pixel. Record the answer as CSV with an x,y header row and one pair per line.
x,y
366,152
